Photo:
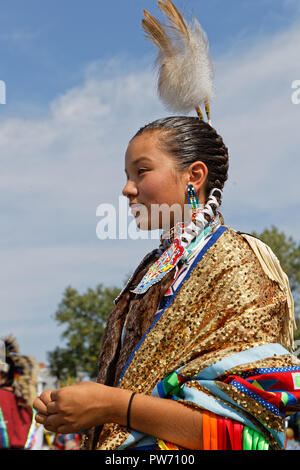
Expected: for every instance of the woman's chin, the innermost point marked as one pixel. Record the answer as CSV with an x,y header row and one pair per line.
x,y
146,224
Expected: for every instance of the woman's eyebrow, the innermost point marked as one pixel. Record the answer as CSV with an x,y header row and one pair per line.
x,y
138,160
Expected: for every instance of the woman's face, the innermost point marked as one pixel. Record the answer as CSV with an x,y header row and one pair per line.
x,y
155,188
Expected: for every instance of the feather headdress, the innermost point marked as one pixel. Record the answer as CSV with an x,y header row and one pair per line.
x,y
185,67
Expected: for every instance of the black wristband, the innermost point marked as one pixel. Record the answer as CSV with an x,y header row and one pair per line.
x,y
128,409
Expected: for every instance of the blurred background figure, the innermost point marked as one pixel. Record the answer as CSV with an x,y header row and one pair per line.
x,y
18,389
293,432
67,441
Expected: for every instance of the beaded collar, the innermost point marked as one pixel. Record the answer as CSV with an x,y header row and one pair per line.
x,y
173,252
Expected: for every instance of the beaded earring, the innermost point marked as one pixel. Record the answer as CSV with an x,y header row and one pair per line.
x,y
192,197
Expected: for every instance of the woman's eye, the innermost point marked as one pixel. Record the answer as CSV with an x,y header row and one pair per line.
x,y
141,170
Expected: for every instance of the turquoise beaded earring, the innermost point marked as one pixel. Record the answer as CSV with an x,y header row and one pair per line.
x,y
193,201
192,197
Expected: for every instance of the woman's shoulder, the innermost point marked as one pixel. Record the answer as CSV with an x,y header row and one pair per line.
x,y
232,250
264,268
254,253
267,259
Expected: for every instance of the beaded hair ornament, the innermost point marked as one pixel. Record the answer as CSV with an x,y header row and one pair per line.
x,y
185,83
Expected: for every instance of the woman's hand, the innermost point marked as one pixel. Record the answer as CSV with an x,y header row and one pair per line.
x,y
88,404
81,406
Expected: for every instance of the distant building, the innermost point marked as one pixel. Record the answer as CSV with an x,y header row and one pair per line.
x,y
45,380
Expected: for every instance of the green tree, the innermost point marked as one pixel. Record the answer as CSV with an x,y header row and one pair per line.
x,y
84,316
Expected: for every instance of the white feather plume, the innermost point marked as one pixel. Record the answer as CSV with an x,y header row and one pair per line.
x,y
185,67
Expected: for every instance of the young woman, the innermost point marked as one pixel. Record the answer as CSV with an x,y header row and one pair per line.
x,y
197,350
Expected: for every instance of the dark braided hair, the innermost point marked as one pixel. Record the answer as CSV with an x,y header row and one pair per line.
x,y
188,139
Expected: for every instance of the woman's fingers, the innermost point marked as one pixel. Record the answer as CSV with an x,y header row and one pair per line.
x,y
65,429
73,408
54,394
49,424
52,407
40,406
46,396
44,406
54,420
41,402
40,418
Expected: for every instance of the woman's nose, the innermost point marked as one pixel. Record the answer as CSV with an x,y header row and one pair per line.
x,y
129,189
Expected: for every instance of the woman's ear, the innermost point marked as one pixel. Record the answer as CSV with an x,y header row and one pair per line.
x,y
197,176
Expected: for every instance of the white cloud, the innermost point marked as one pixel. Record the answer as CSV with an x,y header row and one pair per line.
x,y
57,169
260,125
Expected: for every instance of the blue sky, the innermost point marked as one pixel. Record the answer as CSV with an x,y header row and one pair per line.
x,y
80,82
45,46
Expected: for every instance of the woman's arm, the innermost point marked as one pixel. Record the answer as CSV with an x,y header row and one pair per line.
x,y
165,419
89,404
